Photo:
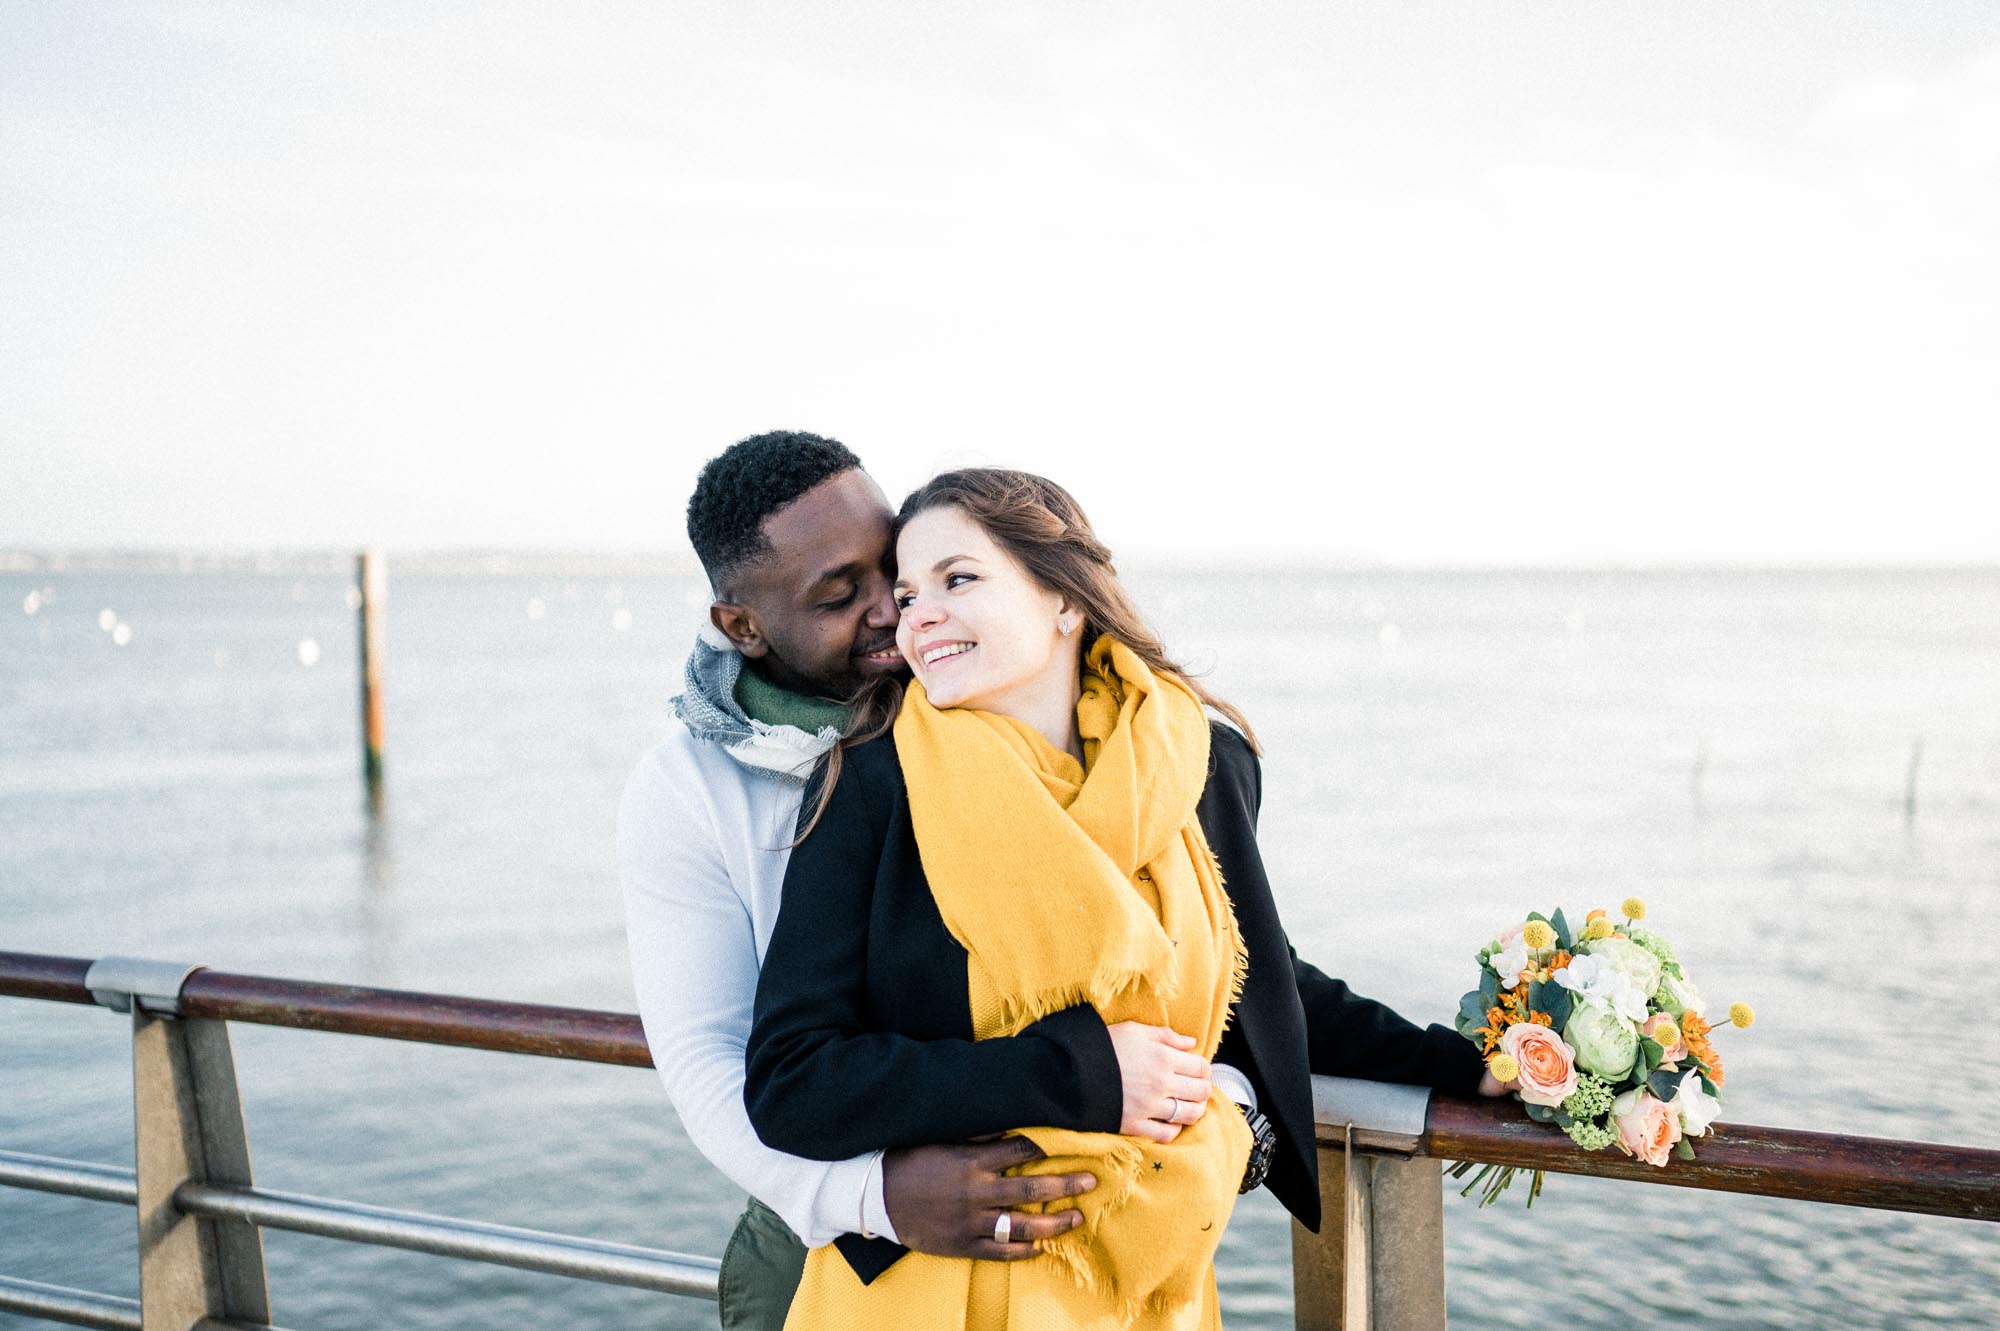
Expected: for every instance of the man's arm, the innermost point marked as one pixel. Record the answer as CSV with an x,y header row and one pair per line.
x,y
694,969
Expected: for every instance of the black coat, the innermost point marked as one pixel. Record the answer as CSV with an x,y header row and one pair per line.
x,y
863,1031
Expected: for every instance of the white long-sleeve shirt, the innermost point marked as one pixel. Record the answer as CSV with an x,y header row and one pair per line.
x,y
703,841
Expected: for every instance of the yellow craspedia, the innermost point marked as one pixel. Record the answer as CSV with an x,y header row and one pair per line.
x,y
1537,935
1634,908
1598,928
1503,1067
1741,1014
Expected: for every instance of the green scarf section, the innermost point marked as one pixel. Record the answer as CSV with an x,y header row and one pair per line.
x,y
761,700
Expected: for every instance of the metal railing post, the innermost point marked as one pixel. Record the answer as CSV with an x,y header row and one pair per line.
x,y
1377,1263
188,1127
1320,1261
1404,1205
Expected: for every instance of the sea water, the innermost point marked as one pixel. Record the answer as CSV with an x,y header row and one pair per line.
x,y
1799,772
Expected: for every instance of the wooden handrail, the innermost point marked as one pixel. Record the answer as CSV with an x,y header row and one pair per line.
x,y
580,1034
1878,1172
1920,1177
31,975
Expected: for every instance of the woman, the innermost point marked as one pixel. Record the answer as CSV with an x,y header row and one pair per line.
x,y
1038,851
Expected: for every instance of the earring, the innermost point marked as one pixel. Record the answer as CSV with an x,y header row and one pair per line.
x,y
1065,628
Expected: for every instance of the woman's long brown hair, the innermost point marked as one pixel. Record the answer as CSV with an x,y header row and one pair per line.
x,y
1041,525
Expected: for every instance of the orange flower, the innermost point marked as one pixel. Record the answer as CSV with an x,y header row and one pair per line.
x,y
1694,1032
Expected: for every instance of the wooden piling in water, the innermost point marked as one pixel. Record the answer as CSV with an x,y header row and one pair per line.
x,y
1910,780
372,573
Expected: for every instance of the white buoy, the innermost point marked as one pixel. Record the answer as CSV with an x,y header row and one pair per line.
x,y
308,652
121,634
107,619
621,619
537,608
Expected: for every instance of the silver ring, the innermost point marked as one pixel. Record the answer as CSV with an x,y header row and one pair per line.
x,y
1003,1227
1175,1116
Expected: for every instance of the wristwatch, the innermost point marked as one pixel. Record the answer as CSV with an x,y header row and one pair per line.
x,y
1263,1145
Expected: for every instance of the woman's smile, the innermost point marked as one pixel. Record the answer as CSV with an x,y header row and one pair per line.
x,y
935,653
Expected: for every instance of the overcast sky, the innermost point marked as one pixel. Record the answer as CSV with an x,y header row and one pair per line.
x,y
1469,283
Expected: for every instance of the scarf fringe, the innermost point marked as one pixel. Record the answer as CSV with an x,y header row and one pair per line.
x,y
1076,1253
1020,1011
1239,954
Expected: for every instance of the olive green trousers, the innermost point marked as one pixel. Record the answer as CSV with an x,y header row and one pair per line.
x,y
760,1271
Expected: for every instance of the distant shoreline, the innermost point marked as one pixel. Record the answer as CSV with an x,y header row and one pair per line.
x,y
681,563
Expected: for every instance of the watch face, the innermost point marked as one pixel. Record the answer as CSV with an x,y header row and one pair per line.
x,y
1263,1146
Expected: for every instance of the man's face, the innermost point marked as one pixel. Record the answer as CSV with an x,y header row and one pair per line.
x,y
815,613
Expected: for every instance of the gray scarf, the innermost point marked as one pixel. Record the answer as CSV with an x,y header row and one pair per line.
x,y
707,706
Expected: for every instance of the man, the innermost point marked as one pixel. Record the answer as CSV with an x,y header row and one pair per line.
x,y
794,537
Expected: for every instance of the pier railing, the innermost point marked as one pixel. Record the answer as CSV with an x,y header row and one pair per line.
x,y
1377,1262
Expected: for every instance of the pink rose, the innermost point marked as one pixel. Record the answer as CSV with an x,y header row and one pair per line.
x,y
1548,1066
1662,1030
1647,1126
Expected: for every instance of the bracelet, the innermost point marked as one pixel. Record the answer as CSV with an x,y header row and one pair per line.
x,y
867,1183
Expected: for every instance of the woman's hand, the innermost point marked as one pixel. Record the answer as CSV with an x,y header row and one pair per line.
x,y
1166,1085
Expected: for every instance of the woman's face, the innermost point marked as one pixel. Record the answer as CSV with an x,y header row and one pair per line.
x,y
975,628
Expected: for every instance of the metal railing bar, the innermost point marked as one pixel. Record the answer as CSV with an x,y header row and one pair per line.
x,y
504,1245
69,1178
77,1307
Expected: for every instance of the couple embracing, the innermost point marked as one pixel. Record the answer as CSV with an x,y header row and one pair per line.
x,y
949,929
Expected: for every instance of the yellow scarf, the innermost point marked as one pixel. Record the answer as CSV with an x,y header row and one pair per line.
x,y
1068,885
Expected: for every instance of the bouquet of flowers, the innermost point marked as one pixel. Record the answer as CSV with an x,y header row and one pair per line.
x,y
1600,1032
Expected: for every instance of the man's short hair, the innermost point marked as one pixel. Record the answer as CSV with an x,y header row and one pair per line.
x,y
748,482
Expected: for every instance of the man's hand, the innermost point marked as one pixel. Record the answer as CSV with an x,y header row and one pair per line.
x,y
944,1200
1490,1085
